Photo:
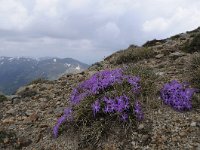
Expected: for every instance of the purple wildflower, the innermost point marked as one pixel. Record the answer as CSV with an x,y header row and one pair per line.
x,y
124,117
96,107
138,111
95,84
55,131
122,103
66,116
177,95
109,105
60,121
134,81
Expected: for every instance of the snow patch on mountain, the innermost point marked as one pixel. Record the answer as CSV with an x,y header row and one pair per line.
x,y
68,65
78,67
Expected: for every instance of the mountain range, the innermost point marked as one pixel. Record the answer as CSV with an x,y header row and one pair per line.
x,y
19,71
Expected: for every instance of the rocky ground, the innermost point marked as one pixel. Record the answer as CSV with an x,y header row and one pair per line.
x,y
28,117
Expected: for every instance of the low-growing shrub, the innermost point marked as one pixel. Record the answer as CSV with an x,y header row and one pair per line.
x,y
134,55
194,70
148,83
175,37
107,94
193,45
196,102
148,79
2,98
9,135
153,43
178,95
27,93
39,80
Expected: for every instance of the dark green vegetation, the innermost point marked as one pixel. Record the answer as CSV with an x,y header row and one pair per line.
x,y
27,93
194,70
192,45
39,80
132,55
153,43
175,37
2,98
9,140
194,76
7,136
16,72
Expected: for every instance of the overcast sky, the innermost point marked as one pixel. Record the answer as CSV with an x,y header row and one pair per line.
x,y
88,30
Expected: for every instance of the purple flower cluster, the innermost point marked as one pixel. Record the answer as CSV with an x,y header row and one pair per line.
x,y
119,105
134,82
138,111
177,95
100,81
67,116
96,84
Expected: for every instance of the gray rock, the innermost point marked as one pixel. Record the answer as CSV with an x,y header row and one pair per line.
x,y
159,56
11,127
11,111
29,112
160,73
59,110
176,54
141,126
193,124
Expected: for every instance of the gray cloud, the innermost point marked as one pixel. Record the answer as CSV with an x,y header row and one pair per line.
x,y
88,30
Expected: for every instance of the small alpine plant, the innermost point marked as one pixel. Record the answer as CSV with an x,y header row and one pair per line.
x,y
178,95
122,105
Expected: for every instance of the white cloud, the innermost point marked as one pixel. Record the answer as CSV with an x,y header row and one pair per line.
x,y
46,7
158,24
183,19
13,15
109,31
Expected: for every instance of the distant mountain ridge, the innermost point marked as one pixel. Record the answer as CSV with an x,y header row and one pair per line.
x,y
18,71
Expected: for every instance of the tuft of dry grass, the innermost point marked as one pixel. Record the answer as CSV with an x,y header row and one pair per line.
x,y
192,45
194,77
150,90
148,79
2,98
28,93
39,80
132,55
194,70
153,43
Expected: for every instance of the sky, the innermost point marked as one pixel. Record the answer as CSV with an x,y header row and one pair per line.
x,y
89,30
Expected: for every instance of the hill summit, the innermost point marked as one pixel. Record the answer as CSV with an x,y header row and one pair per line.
x,y
28,118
